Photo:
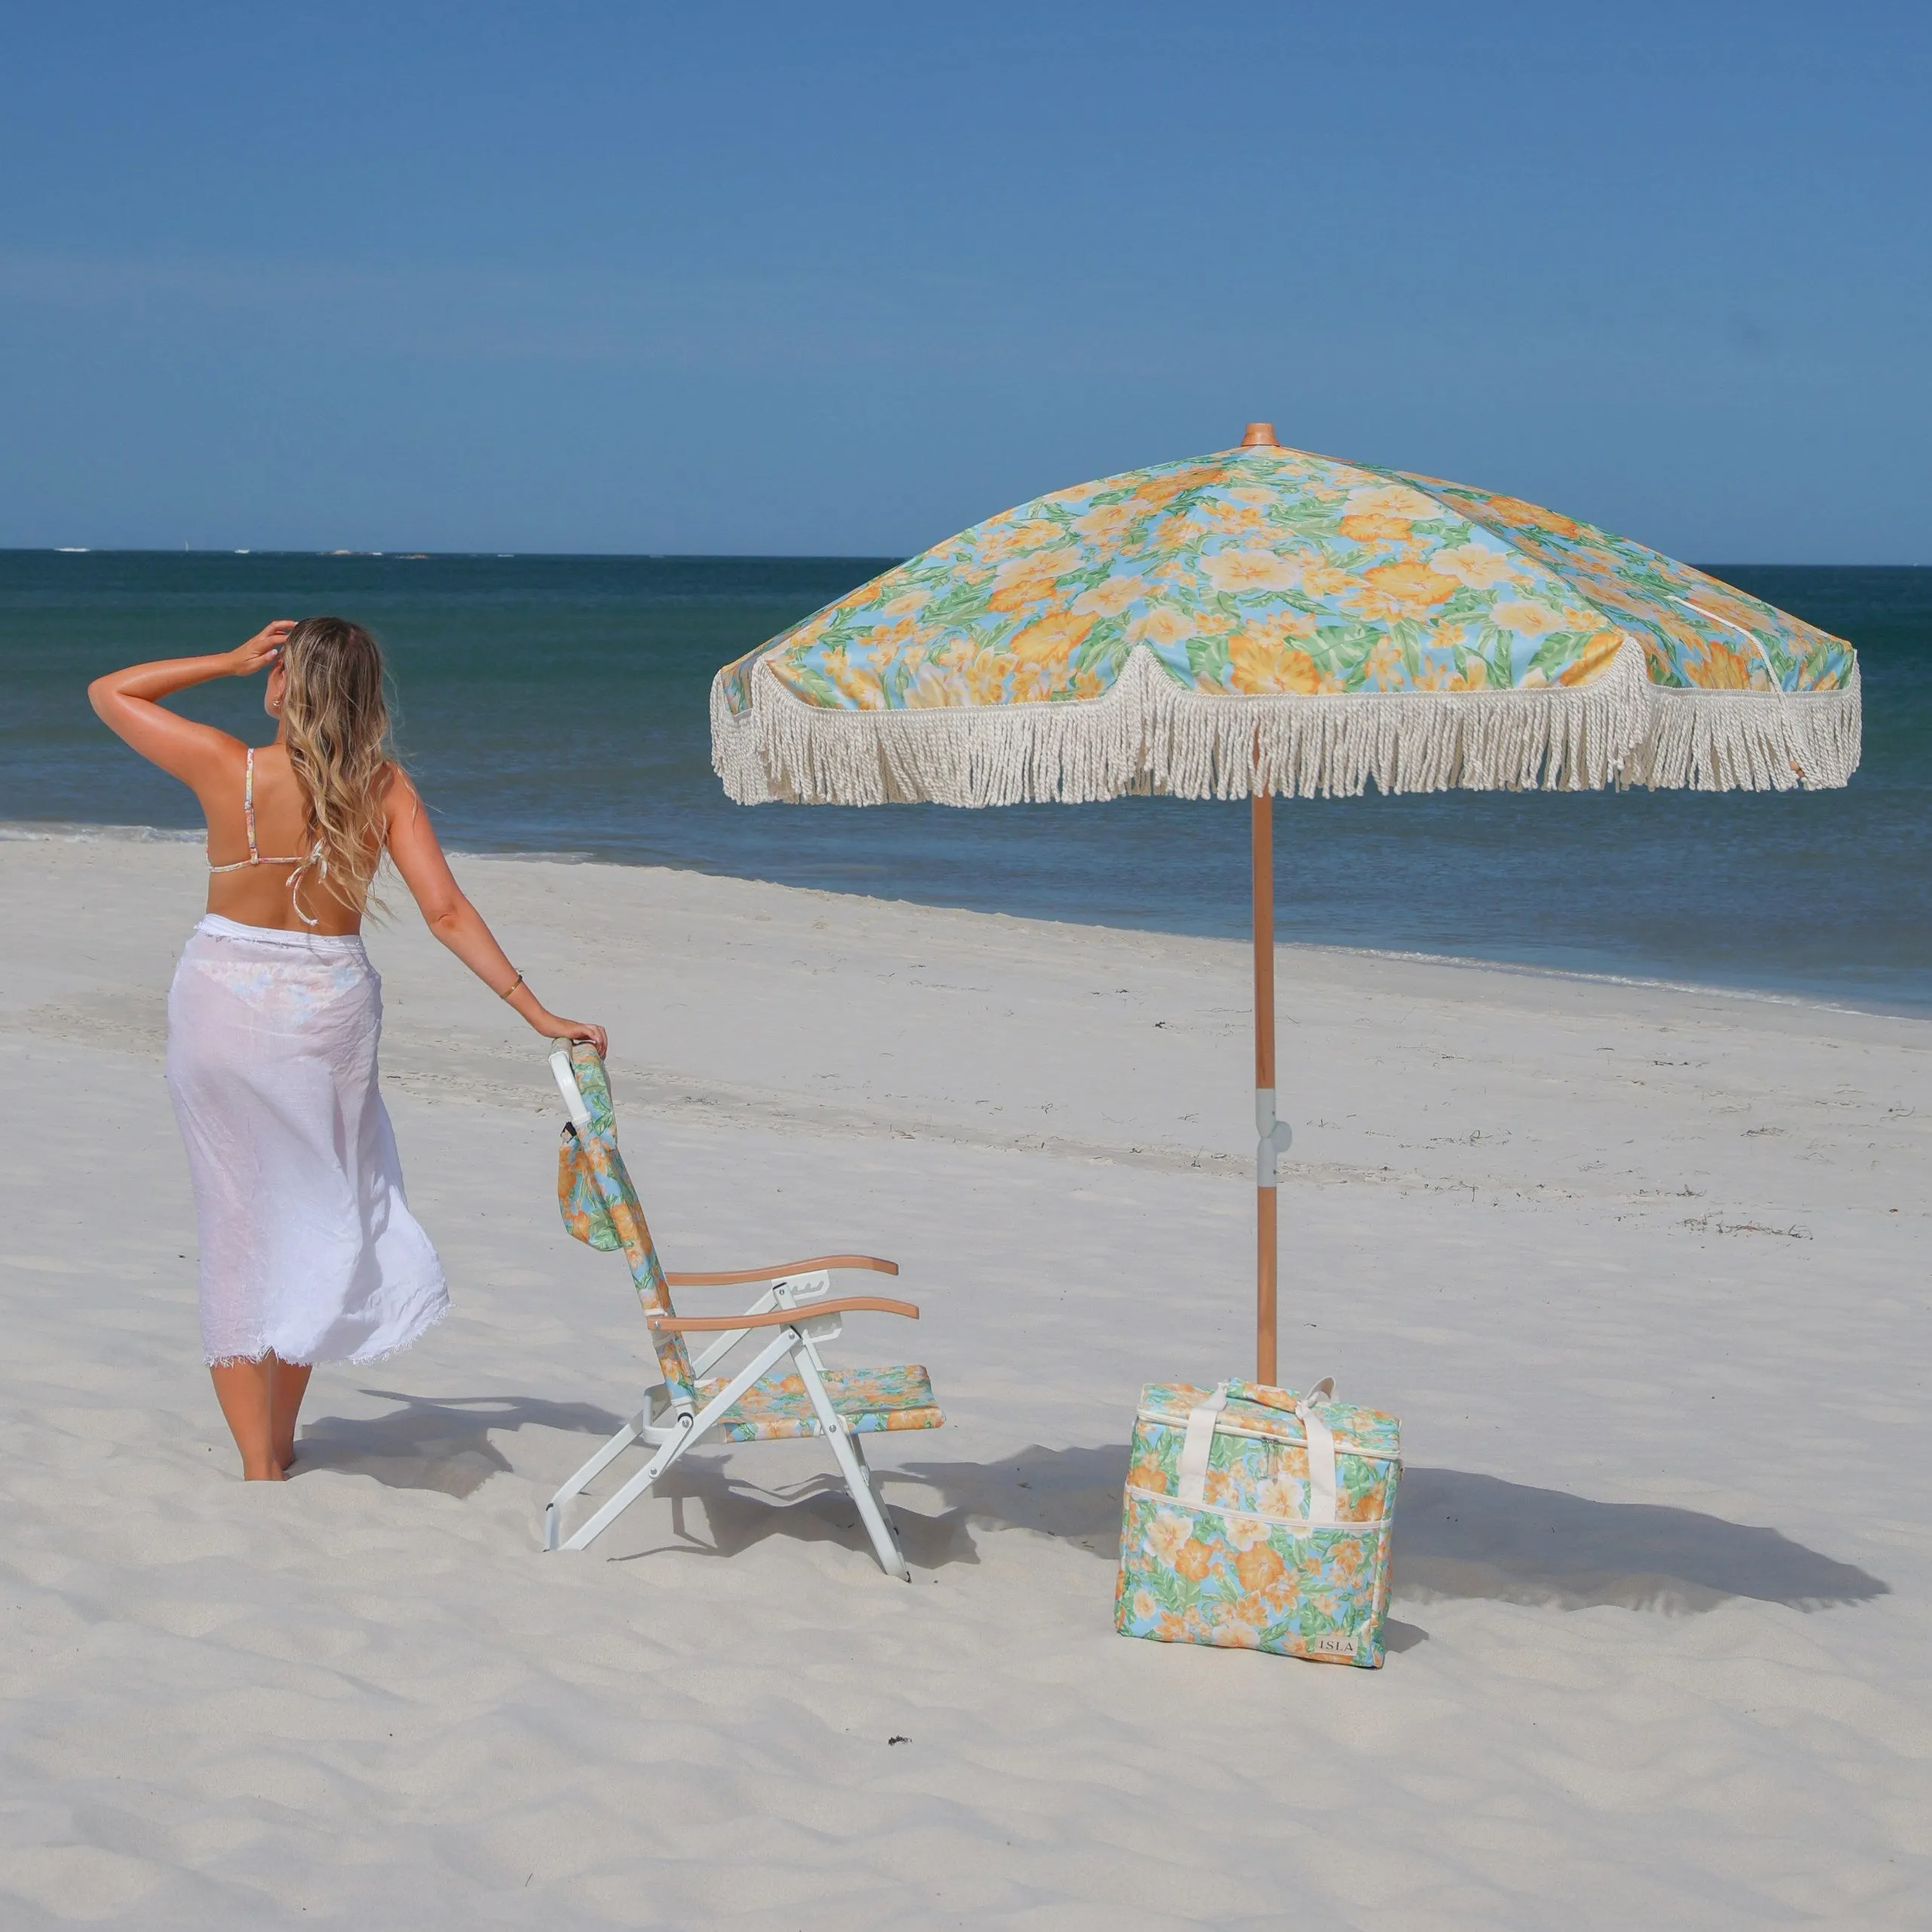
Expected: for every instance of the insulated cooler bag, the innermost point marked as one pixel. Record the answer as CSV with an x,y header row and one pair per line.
x,y
1257,1518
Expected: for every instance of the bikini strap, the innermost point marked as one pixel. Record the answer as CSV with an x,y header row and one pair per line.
x,y
248,807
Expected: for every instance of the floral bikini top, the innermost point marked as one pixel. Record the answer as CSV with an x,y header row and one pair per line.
x,y
255,858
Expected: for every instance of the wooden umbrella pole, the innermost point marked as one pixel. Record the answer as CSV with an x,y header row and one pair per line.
x,y
1269,1144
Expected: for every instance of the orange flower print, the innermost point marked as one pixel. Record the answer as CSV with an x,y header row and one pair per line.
x,y
996,546
1143,1606
1476,566
1599,649
1259,1567
1237,1632
1110,597
1515,510
1374,529
1245,1532
1229,519
1403,589
858,683
1218,1486
1050,642
1326,580
1157,492
1162,627
1259,662
1233,572
1193,1561
1148,1476
1165,1536
1030,578
1526,619
1107,524
986,675
1394,501
1276,1496
1385,668
1716,667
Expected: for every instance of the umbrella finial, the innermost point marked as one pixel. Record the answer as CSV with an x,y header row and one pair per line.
x,y
1259,436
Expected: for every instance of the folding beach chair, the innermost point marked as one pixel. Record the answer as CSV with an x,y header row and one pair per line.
x,y
785,1389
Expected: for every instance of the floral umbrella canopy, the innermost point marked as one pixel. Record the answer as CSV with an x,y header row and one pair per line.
x,y
1263,622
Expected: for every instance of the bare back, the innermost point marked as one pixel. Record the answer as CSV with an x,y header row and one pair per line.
x,y
263,893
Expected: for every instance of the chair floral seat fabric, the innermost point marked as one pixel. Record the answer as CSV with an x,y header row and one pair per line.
x,y
871,1400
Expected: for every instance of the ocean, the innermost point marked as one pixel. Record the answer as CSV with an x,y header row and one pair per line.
x,y
557,704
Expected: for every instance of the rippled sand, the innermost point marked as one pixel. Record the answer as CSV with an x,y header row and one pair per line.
x,y
1642,1271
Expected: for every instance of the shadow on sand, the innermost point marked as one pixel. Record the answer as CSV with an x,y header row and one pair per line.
x,y
442,1446
1458,1535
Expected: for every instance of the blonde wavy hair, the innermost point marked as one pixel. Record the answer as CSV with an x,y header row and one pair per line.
x,y
335,718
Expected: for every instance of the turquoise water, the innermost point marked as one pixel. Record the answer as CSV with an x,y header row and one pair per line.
x,y
558,704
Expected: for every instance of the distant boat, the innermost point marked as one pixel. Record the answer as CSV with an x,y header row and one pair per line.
x,y
70,550
244,553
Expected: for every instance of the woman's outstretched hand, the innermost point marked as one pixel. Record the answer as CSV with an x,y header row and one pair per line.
x,y
260,651
553,1027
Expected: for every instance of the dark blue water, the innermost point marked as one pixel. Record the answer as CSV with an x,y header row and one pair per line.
x,y
558,704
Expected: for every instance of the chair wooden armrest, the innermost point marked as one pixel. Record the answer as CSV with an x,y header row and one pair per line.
x,y
732,1278
787,1317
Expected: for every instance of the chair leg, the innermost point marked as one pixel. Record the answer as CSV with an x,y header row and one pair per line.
x,y
858,1475
602,1520
872,1512
632,1431
684,1429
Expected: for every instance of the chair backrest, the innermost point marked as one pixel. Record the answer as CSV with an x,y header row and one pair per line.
x,y
600,1207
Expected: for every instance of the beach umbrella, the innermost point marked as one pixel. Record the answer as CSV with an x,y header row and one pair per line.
x,y
1261,621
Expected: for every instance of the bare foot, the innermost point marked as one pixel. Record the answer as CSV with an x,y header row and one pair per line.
x,y
273,1474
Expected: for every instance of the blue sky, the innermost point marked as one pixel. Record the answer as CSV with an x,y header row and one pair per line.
x,y
846,278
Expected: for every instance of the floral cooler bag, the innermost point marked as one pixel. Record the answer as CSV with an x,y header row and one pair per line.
x,y
1259,1519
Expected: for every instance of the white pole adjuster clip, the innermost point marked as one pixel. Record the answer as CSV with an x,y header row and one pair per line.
x,y
1277,1137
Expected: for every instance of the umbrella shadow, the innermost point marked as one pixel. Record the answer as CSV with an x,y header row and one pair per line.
x,y
1459,1535
442,1446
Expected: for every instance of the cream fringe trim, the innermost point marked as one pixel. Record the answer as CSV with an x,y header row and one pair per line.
x,y
1150,734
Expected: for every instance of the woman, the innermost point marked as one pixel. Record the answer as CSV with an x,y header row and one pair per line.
x,y
309,1251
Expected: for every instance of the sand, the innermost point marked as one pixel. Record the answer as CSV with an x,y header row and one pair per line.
x,y
1642,1270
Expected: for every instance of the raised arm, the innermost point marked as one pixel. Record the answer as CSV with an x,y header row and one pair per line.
x,y
418,856
130,704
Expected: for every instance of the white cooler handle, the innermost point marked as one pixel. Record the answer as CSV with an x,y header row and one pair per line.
x,y
1192,1488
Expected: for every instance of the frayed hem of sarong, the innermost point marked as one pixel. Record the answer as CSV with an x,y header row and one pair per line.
x,y
396,1348
359,1359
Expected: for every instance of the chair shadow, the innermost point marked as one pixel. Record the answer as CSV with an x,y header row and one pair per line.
x,y
445,1446
1071,1494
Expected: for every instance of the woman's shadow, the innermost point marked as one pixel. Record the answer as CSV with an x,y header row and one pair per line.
x,y
423,1444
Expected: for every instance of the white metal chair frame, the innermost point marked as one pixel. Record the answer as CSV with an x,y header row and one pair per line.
x,y
671,1428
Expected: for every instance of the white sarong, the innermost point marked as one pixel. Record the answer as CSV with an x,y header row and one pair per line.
x,y
308,1246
